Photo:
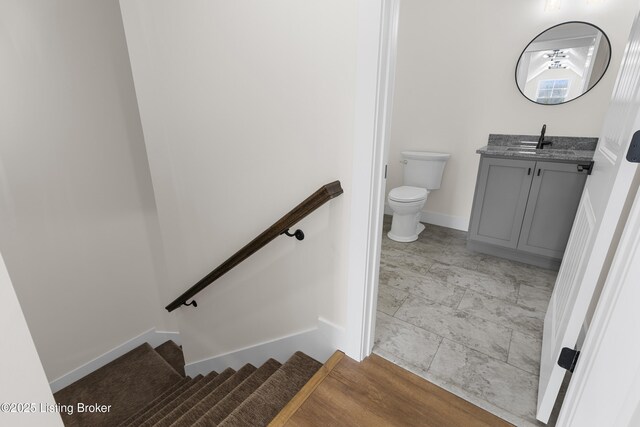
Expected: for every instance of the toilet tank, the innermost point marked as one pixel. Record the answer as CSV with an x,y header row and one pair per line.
x,y
424,169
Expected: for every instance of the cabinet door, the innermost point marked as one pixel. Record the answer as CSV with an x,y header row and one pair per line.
x,y
501,198
553,202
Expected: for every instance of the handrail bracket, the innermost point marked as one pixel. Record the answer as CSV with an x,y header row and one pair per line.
x,y
298,234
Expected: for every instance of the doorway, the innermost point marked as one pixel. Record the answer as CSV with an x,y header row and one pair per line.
x,y
476,308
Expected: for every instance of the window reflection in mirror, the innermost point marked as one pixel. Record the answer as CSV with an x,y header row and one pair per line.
x,y
563,63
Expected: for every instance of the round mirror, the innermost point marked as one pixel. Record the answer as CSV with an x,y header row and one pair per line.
x,y
563,63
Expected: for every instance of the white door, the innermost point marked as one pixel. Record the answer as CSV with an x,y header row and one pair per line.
x,y
604,195
605,388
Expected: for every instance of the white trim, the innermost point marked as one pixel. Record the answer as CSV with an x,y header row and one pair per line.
x,y
443,220
320,343
153,337
376,48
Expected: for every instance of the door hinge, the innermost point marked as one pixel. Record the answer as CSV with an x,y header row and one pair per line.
x,y
633,155
385,171
588,167
568,358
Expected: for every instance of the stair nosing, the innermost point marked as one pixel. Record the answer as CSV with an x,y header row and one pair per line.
x,y
305,392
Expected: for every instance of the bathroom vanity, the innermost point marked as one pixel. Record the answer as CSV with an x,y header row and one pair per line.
x,y
526,199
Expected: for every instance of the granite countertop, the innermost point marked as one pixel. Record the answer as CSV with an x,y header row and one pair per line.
x,y
572,149
547,153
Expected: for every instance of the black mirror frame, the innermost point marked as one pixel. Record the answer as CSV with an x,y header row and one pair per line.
x,y
585,92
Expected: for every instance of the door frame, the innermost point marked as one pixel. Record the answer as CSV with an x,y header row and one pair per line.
x,y
375,78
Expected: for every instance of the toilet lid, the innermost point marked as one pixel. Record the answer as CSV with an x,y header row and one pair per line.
x,y
408,194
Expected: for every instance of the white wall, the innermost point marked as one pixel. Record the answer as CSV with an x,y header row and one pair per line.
x,y
455,83
247,108
23,379
76,202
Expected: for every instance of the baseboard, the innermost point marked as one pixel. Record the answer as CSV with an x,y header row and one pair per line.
x,y
320,343
442,220
514,255
153,337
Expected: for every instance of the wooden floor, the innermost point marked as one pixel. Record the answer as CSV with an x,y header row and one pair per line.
x,y
376,392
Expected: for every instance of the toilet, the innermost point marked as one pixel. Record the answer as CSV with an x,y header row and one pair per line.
x,y
422,174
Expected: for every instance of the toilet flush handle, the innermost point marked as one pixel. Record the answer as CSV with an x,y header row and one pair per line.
x,y
404,162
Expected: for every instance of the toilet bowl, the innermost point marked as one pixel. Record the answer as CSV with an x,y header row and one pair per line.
x,y
406,202
422,174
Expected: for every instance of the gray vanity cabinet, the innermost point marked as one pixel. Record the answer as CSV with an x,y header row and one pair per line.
x,y
500,201
524,209
553,201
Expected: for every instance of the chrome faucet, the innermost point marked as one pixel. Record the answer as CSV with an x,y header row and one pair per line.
x,y
541,141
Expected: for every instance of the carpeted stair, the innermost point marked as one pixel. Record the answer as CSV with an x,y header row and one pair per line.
x,y
147,387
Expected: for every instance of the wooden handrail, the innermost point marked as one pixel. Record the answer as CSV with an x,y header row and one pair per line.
x,y
310,204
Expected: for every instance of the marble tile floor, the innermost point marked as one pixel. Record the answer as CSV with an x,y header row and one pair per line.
x,y
468,322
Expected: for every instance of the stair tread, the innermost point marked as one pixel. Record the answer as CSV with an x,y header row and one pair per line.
x,y
188,415
152,409
142,371
172,353
170,406
268,399
158,399
231,401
